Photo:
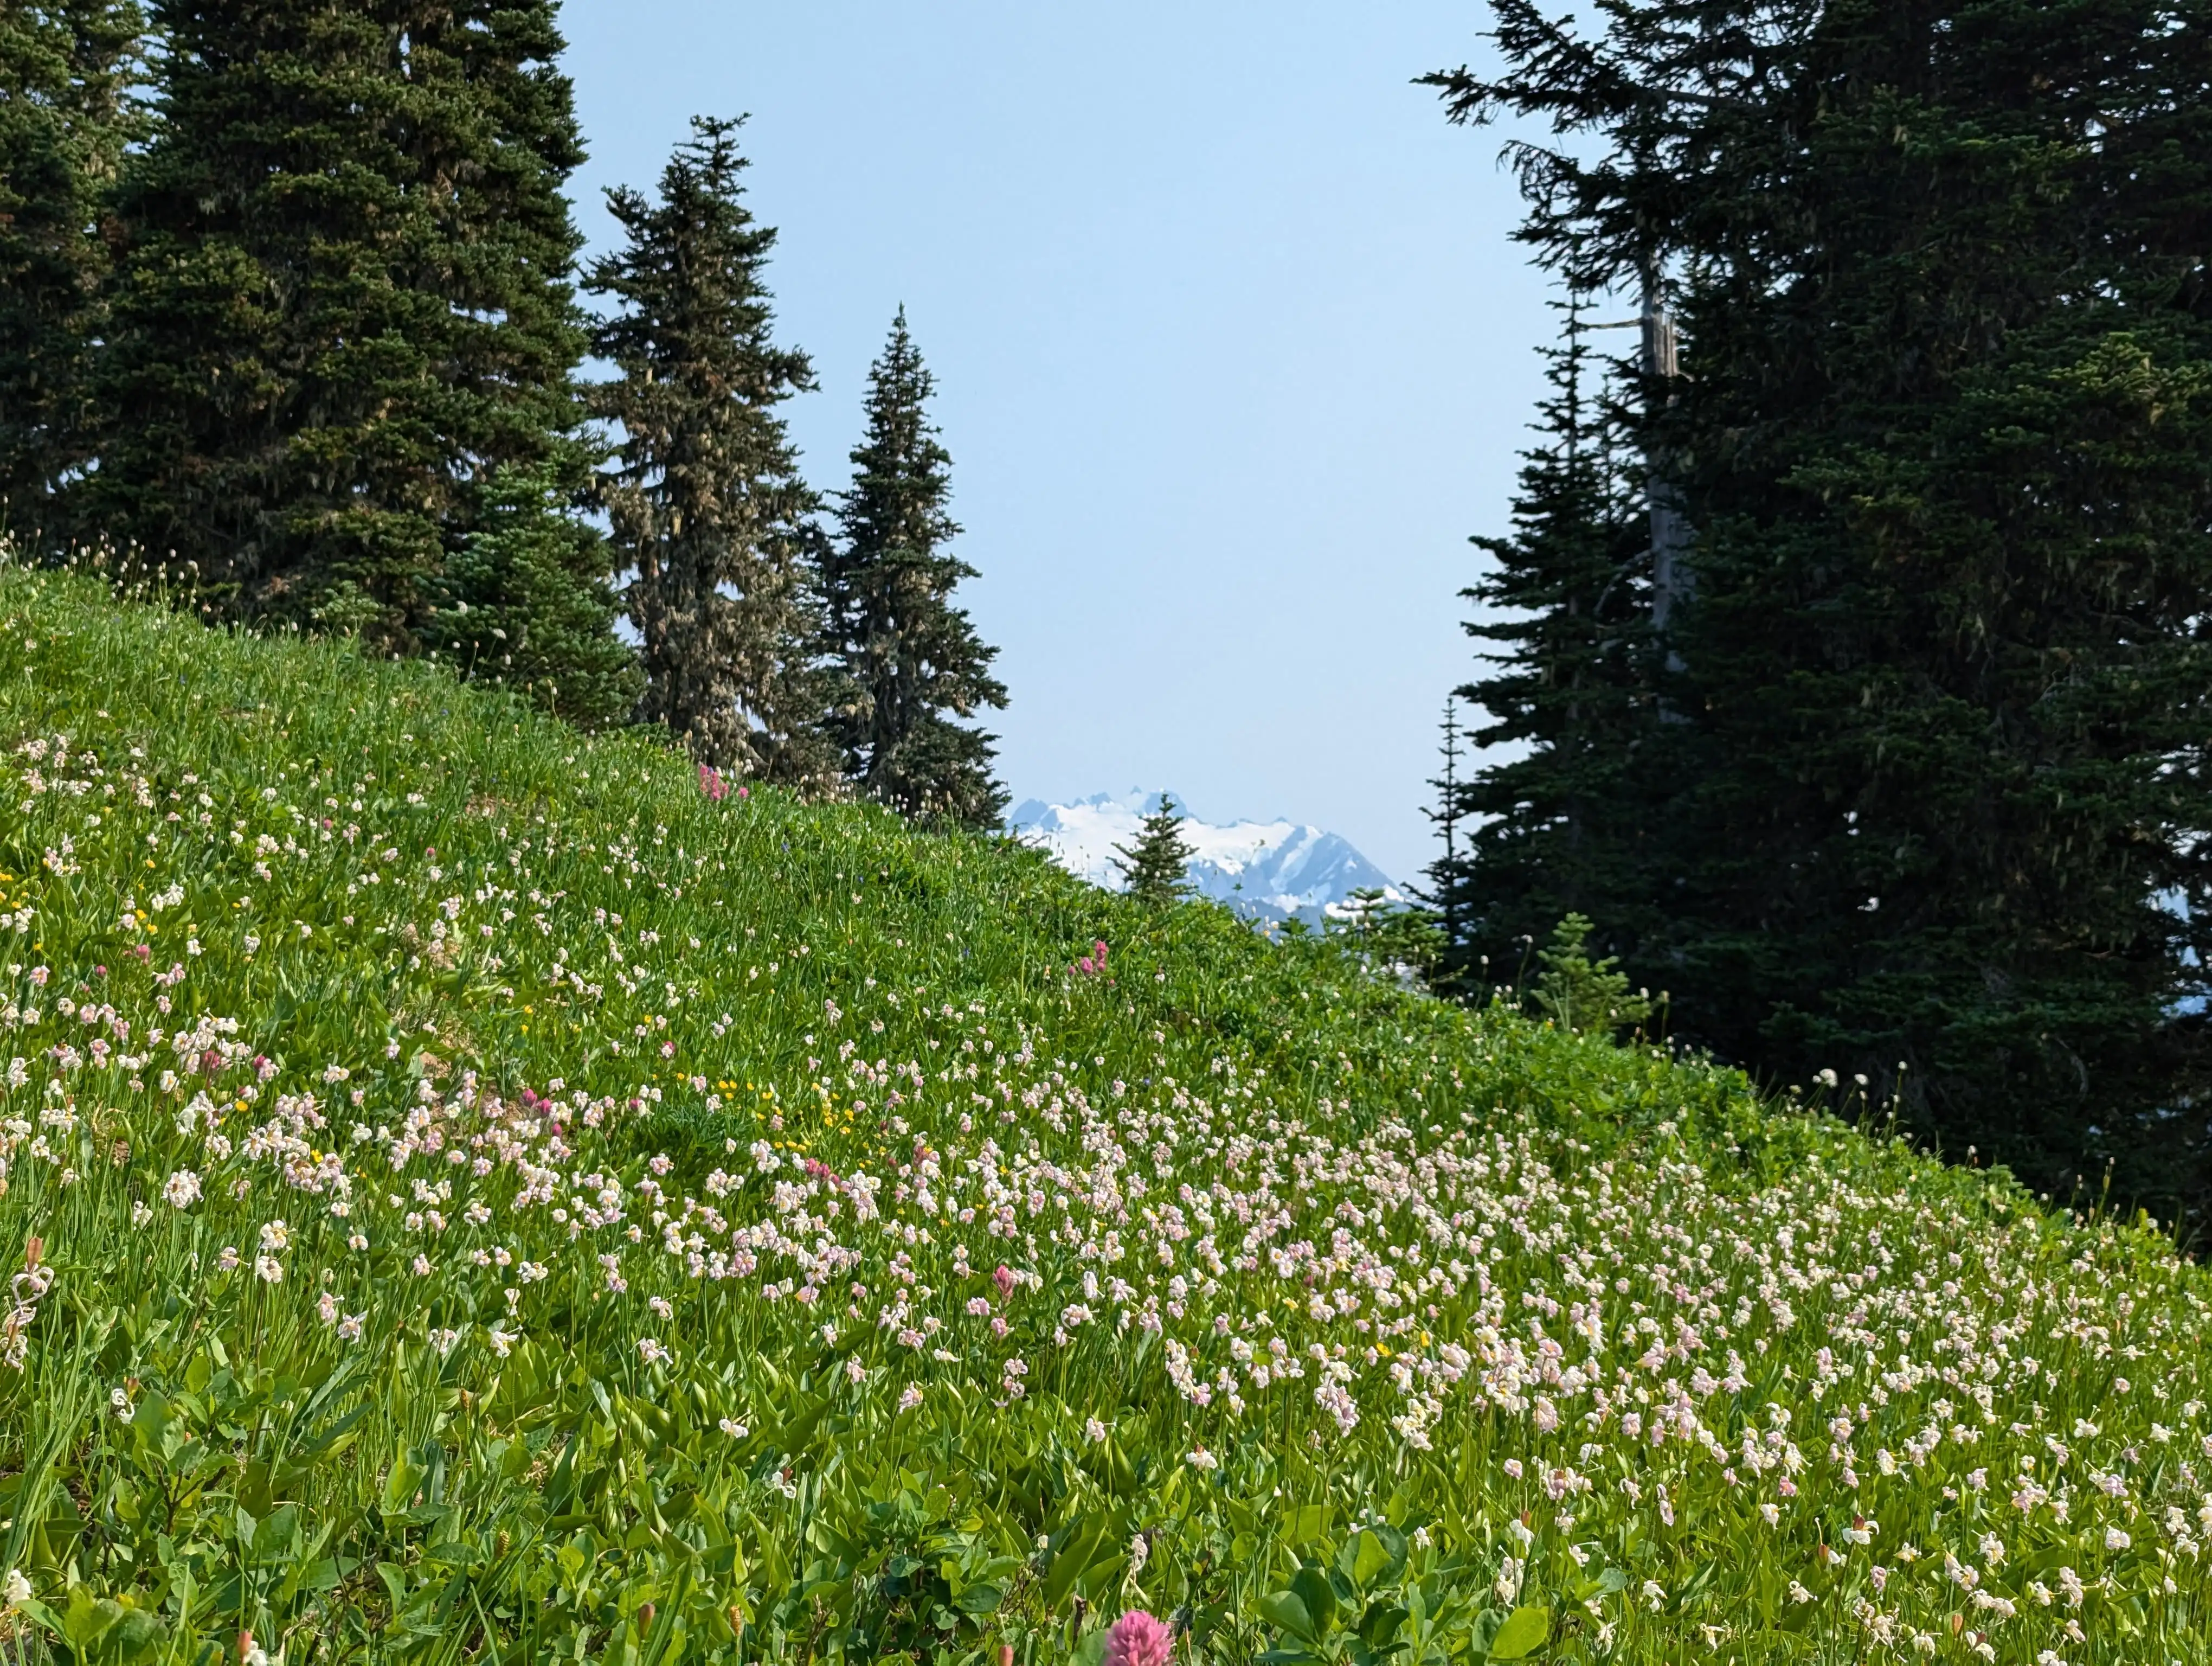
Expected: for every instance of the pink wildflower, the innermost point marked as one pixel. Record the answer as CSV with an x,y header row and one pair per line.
x,y
1139,1640
1004,1278
712,784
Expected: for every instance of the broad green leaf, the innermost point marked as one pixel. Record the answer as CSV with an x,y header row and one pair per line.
x,y
1287,1612
1525,1631
1312,1587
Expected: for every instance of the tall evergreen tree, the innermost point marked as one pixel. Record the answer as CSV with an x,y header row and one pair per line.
x,y
1938,765
67,72
1559,826
1156,865
912,660
707,502
345,305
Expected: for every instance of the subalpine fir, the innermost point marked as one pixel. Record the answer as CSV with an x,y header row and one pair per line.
x,y
344,311
913,661
68,109
525,604
1555,829
1155,865
1944,432
709,508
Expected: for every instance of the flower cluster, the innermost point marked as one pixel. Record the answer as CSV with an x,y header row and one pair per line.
x,y
595,1128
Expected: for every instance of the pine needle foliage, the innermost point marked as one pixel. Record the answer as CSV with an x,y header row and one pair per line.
x,y
1936,783
68,75
709,512
1155,866
913,661
343,302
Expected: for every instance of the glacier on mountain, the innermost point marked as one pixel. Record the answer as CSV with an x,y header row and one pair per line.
x,y
1270,870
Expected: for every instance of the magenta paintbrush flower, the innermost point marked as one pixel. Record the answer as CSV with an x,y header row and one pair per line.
x,y
712,784
1139,1640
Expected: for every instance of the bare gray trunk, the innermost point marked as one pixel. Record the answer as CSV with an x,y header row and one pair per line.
x,y
1672,580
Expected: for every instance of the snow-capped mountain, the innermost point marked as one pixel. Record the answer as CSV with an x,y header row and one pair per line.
x,y
1273,870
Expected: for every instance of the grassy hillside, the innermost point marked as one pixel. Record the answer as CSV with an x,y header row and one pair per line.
x,y
479,1196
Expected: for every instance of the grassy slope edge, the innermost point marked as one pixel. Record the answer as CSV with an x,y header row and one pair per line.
x,y
495,1200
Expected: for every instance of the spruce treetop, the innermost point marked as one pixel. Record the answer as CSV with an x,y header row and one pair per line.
x,y
902,473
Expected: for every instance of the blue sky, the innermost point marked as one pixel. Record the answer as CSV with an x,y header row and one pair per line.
x,y
1234,350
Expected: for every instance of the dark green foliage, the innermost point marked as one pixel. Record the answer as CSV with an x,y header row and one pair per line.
x,y
707,502
1567,605
1935,788
1154,866
912,660
343,304
66,113
526,604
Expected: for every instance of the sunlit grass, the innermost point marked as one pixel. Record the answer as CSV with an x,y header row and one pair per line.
x,y
493,1200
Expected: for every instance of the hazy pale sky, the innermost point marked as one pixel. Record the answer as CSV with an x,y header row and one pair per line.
x,y
1233,351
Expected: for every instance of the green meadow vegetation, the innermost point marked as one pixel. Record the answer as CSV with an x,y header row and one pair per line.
x,y
478,1192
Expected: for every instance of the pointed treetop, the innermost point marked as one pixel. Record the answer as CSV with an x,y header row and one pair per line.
x,y
1157,864
913,663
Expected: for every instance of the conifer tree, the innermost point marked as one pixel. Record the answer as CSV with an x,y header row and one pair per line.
x,y
1447,880
1393,939
524,604
913,661
706,503
1155,867
1557,826
1577,994
344,306
1939,711
68,74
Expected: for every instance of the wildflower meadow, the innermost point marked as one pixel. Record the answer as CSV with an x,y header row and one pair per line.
x,y
475,1192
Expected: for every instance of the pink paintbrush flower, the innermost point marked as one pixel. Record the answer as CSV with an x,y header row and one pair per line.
x,y
1138,1640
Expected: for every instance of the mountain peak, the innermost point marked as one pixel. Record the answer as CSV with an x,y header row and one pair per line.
x,y
1266,870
